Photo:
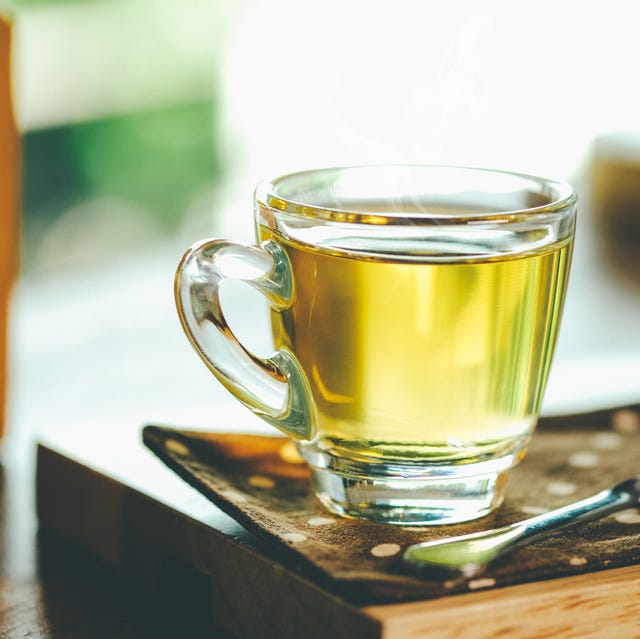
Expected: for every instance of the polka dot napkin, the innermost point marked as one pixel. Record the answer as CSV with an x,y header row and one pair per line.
x,y
262,483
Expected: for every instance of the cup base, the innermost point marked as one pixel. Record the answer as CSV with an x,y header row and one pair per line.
x,y
409,495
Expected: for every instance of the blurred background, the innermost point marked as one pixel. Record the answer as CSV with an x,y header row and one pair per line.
x,y
146,125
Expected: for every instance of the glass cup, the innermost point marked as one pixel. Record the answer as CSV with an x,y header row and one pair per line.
x,y
414,312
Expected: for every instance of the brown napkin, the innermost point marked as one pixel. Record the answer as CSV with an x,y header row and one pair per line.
x,y
261,482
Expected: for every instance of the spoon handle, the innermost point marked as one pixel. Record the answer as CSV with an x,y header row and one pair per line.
x,y
470,554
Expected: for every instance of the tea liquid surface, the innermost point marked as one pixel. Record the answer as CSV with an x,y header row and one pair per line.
x,y
407,360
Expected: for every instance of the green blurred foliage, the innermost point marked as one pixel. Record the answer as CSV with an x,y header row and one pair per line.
x,y
158,159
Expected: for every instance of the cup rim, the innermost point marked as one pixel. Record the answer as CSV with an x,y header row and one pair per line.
x,y
565,198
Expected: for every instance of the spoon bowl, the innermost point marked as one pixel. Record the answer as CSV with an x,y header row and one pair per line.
x,y
469,555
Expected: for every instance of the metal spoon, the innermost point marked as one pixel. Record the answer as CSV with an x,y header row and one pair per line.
x,y
469,555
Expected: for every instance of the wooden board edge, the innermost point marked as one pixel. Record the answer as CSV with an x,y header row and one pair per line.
x,y
250,595
598,604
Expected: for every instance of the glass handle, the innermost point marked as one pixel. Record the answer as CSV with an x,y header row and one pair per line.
x,y
274,388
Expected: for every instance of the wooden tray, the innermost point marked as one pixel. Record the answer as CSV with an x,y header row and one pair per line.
x,y
100,488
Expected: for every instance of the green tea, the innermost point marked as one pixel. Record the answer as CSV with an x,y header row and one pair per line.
x,y
415,360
